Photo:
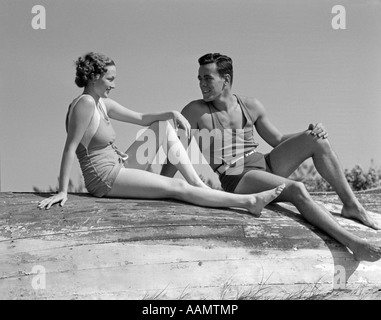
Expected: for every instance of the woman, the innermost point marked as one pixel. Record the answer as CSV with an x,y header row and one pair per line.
x,y
109,172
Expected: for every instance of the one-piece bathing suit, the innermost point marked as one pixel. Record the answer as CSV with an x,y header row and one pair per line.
x,y
99,159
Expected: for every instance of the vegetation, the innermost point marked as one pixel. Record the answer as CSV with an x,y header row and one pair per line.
x,y
71,187
358,178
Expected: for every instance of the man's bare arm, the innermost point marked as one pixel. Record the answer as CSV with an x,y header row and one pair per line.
x,y
267,130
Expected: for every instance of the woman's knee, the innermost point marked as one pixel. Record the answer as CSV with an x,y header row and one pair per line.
x,y
159,125
165,127
161,130
163,124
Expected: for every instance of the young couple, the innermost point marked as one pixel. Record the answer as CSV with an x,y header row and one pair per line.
x,y
252,180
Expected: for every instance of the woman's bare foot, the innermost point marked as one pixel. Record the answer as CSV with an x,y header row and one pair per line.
x,y
358,212
365,251
262,199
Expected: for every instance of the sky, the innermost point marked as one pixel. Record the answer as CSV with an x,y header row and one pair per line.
x,y
285,53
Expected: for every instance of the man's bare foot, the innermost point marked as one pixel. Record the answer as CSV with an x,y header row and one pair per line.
x,y
359,213
365,251
262,199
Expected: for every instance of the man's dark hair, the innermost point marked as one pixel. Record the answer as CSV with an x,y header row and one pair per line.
x,y
224,64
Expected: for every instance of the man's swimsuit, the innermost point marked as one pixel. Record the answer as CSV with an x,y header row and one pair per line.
x,y
232,156
99,158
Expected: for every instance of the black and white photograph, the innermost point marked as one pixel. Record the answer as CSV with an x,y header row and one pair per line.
x,y
201,151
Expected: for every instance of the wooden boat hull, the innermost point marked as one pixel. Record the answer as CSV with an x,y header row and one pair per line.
x,y
138,249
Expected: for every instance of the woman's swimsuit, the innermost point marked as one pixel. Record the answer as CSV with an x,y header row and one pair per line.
x,y
235,154
99,158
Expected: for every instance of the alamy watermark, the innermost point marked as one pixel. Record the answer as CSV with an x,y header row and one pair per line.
x,y
226,148
339,277
39,280
338,22
39,19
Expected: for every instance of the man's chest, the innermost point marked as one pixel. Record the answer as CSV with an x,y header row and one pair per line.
x,y
224,120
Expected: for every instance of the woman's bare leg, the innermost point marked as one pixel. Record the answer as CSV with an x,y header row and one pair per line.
x,y
162,134
135,183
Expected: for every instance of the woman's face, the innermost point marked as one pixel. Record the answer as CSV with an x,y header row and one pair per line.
x,y
105,83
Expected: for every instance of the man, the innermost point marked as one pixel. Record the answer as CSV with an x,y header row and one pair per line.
x,y
249,171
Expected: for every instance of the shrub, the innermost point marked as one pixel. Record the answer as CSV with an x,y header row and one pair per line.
x,y
362,180
80,188
357,178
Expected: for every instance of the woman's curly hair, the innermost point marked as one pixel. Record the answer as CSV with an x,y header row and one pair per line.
x,y
90,67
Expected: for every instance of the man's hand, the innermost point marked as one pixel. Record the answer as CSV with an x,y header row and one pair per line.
x,y
318,130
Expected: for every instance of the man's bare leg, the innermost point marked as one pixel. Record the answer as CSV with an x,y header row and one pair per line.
x,y
296,193
287,156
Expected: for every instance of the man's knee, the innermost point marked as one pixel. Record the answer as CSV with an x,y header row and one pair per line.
x,y
298,192
180,188
318,143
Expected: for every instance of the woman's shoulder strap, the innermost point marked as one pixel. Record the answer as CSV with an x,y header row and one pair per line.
x,y
93,125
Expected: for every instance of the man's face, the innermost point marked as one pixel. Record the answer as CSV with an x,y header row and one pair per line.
x,y
211,84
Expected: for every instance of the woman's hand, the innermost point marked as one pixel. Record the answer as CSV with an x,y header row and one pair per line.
x,y
318,130
60,197
181,122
